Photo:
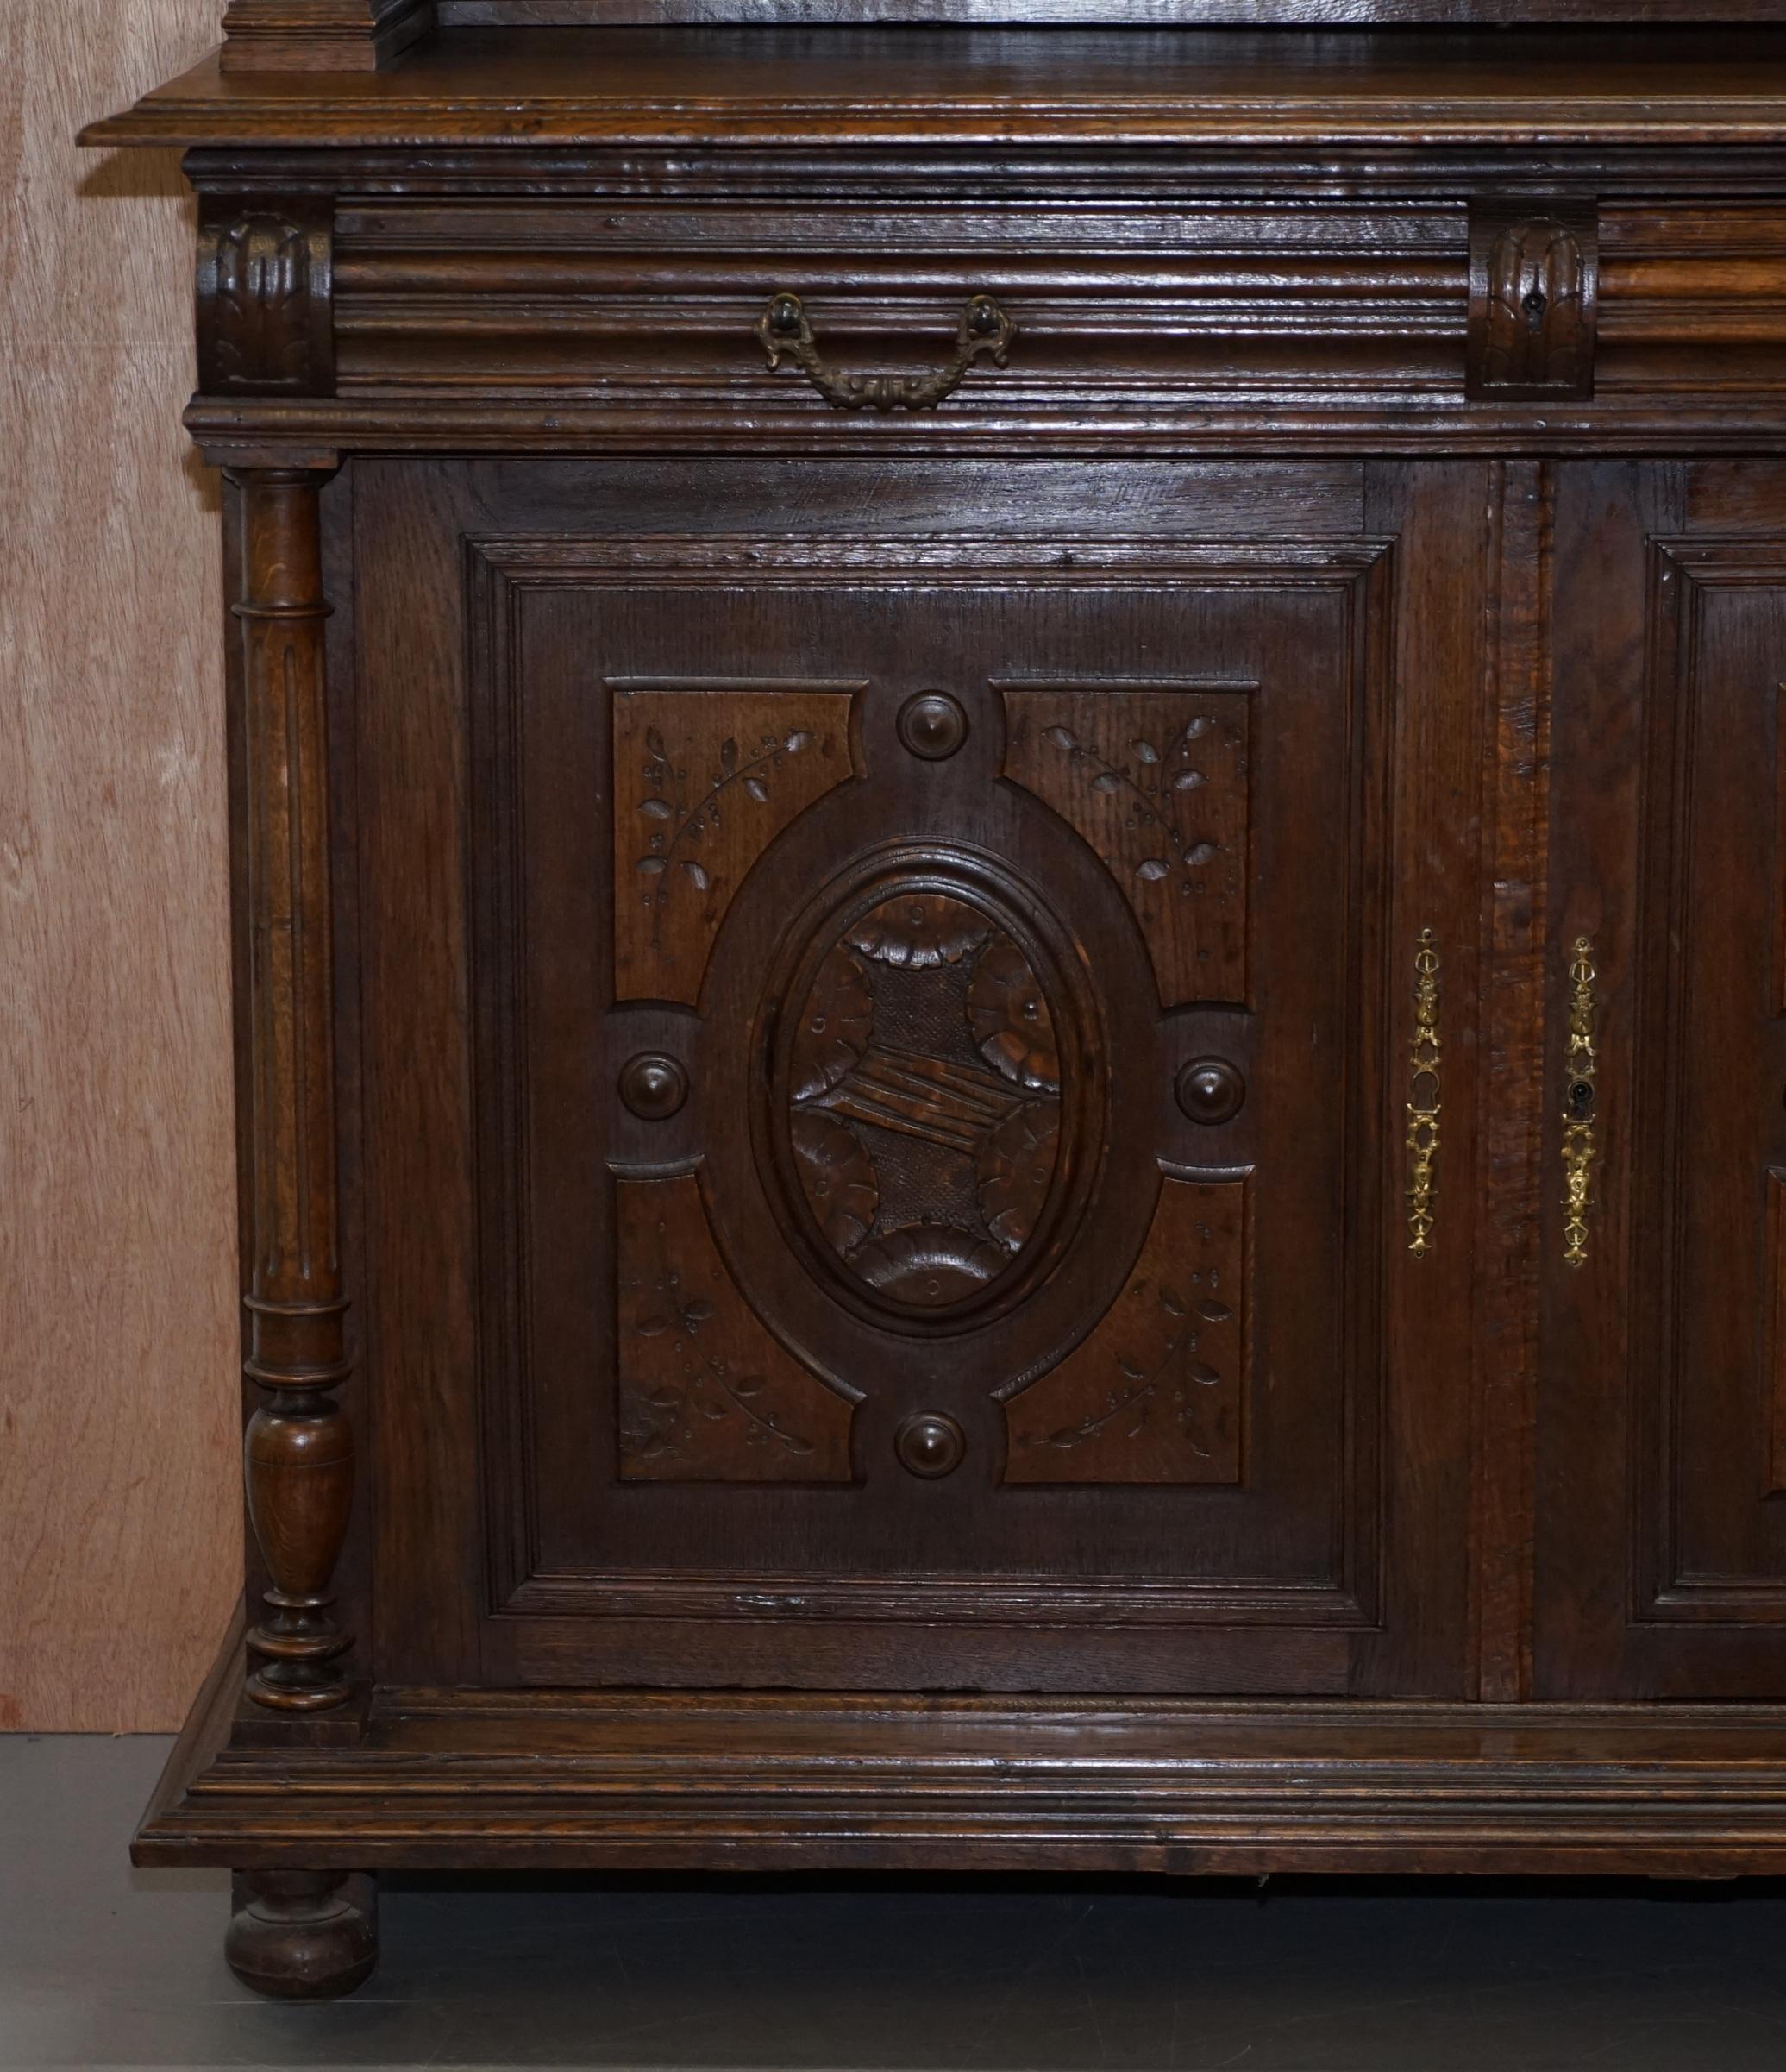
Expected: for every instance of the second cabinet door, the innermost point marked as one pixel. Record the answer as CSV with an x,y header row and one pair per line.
x,y
946,998
1661,1397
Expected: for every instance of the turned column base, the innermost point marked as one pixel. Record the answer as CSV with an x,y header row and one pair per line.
x,y
303,1935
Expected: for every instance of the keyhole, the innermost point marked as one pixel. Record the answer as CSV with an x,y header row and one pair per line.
x,y
1534,306
1581,1099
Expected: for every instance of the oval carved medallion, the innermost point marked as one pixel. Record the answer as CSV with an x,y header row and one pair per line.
x,y
924,1086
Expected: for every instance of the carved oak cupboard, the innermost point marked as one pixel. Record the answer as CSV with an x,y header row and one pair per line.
x,y
1010,810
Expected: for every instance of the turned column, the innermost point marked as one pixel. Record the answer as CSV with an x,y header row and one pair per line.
x,y
298,1454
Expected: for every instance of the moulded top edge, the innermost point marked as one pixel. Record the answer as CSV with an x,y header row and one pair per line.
x,y
919,87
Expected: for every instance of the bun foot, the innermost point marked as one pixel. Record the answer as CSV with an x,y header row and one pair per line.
x,y
303,1935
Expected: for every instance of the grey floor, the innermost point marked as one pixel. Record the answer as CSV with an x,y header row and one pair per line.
x,y
100,1966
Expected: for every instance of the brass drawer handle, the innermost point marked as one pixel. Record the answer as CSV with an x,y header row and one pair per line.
x,y
1580,1062
1423,1097
784,332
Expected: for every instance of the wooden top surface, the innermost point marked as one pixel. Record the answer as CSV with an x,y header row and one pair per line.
x,y
793,87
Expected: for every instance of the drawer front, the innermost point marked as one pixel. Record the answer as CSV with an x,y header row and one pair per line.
x,y
667,301
1149,314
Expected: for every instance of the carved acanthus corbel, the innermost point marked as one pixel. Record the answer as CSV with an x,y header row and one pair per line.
x,y
266,297
1534,281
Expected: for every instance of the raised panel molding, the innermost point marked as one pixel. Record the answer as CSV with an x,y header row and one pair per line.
x,y
705,1394
1156,778
1210,1210
1677,1022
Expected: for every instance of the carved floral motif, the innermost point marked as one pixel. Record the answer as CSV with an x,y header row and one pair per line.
x,y
704,782
705,1394
1008,1013
1015,1169
676,830
834,1030
1155,1394
929,1263
1154,781
1157,781
923,929
1172,1365
838,1176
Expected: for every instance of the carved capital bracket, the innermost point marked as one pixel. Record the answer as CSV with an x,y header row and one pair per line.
x,y
267,296
1534,293
299,1450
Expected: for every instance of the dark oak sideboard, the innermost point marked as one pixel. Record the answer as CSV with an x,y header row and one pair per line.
x,y
1010,836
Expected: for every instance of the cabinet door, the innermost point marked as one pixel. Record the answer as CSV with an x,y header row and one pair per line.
x,y
1662,1567
942,1013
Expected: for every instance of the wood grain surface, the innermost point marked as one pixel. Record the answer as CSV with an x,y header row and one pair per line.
x,y
796,89
120,1534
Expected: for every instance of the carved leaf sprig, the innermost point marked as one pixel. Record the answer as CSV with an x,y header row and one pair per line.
x,y
1160,779
709,1385
1178,1368
676,828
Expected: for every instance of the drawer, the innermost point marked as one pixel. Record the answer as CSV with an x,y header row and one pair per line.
x,y
1155,303
1204,297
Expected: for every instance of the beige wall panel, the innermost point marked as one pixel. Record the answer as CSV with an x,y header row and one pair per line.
x,y
120,1539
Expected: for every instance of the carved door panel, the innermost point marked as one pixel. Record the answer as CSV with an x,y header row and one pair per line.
x,y
1662,1396
939,1036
